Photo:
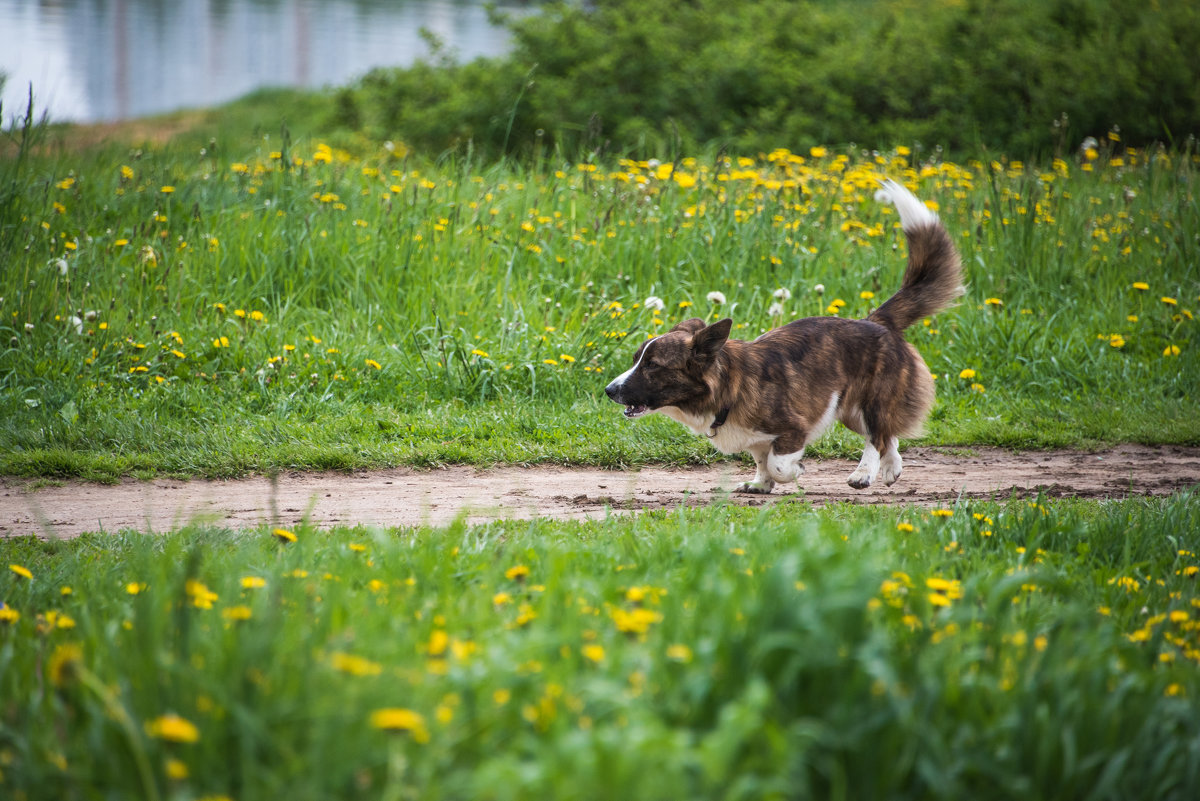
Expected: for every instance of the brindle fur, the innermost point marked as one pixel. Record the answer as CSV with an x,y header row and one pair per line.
x,y
779,392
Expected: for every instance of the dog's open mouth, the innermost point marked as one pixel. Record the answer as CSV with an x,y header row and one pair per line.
x,y
633,411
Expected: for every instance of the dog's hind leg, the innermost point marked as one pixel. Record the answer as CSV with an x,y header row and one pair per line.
x,y
891,463
868,467
762,483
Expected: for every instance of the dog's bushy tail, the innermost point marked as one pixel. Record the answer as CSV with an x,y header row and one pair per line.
x,y
933,278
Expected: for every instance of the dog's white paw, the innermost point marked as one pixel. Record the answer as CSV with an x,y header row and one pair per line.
x,y
785,469
756,487
890,465
859,479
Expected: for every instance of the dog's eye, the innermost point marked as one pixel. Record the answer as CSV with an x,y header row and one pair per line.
x,y
654,364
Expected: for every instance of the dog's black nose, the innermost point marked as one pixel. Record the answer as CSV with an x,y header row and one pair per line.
x,y
611,390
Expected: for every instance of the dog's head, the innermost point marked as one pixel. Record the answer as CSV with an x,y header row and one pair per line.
x,y
669,370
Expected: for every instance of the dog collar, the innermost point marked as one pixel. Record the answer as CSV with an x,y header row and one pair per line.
x,y
719,421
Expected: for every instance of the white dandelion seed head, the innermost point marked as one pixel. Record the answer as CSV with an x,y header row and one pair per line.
x,y
783,293
819,289
654,303
716,297
776,309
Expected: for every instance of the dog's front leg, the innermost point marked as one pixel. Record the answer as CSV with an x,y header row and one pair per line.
x,y
785,461
762,483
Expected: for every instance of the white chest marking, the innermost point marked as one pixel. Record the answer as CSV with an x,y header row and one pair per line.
x,y
729,438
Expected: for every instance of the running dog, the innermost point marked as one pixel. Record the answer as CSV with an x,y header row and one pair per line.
x,y
777,394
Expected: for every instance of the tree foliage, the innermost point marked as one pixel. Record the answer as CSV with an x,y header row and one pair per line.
x,y
642,76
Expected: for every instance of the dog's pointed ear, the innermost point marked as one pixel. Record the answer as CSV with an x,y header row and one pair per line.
x,y
689,327
707,342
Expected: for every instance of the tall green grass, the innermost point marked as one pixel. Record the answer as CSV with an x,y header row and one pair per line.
x,y
260,302
1026,649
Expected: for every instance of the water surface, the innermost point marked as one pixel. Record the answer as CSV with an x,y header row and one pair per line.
x,y
100,60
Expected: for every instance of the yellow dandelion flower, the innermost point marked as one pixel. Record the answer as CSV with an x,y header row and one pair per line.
x,y
61,667
1141,285
1169,301
942,512
283,535
401,720
9,615
135,587
993,302
593,652
166,190
172,728
866,294
907,528
240,612
967,373
1171,350
480,353
354,665
373,363
679,653
518,573
23,572
253,582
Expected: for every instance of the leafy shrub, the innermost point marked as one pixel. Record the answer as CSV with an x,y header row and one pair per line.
x,y
644,77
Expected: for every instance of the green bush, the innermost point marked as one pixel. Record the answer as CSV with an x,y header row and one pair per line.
x,y
652,77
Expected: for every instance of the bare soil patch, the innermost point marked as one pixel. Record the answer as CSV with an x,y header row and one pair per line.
x,y
407,497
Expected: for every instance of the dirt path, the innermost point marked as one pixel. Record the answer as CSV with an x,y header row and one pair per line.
x,y
405,497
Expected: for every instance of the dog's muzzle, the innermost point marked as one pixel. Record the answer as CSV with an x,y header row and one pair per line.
x,y
632,410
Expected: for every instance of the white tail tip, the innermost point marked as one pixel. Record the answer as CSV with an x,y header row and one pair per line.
x,y
913,213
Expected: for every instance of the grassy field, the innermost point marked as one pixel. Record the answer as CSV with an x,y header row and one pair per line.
x,y
1043,649
237,300
251,301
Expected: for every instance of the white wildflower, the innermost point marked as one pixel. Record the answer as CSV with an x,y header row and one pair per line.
x,y
716,297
